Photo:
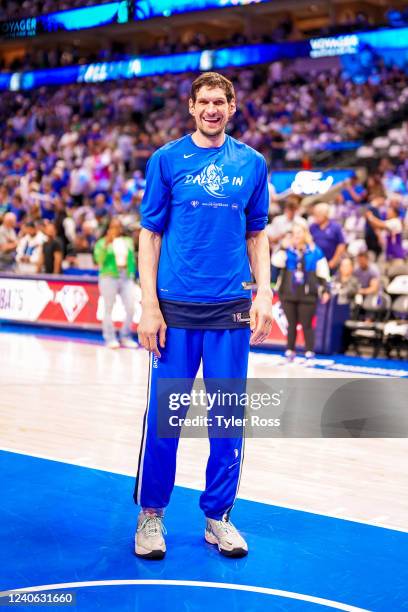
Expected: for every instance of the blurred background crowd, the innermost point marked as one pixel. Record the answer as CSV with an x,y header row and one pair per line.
x,y
76,156
73,158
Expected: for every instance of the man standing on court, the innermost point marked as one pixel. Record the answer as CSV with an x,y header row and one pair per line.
x,y
203,217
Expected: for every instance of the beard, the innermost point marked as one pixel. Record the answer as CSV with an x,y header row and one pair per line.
x,y
208,134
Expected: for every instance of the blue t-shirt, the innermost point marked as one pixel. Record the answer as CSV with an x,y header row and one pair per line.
x,y
359,189
327,238
203,201
309,260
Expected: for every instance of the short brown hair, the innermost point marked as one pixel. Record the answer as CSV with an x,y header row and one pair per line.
x,y
212,80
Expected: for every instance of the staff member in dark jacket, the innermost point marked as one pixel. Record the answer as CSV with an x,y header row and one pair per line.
x,y
304,274
51,256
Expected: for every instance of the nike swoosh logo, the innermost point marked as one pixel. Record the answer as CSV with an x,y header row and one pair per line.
x,y
190,155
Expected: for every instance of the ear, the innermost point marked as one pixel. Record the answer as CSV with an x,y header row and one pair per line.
x,y
232,108
191,106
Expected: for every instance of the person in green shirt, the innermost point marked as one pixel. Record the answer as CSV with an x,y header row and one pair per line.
x,y
115,255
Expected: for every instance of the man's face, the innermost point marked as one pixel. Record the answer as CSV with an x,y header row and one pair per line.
x,y
50,230
10,221
319,216
100,200
211,110
362,260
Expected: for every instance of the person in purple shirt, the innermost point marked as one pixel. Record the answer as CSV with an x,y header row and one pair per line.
x,y
366,274
393,226
327,235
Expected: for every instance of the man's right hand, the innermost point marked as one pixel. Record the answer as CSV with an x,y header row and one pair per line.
x,y
152,327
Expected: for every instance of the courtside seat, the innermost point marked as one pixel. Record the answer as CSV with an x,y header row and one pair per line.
x,y
396,330
399,282
367,326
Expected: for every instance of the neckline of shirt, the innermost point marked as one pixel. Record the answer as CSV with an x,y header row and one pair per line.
x,y
196,146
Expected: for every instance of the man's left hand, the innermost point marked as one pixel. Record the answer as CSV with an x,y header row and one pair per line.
x,y
261,316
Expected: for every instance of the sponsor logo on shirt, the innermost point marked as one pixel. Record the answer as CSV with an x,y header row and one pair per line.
x,y
215,204
194,203
212,179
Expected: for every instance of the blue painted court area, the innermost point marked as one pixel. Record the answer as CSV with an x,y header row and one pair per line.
x,y
61,523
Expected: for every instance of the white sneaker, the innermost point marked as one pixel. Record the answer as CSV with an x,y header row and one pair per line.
x,y
129,343
229,541
113,344
290,356
149,540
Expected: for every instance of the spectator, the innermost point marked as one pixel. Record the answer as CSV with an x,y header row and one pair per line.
x,y
29,246
392,181
303,269
366,274
354,191
142,151
115,255
5,202
345,283
372,235
8,243
375,188
79,182
50,259
86,237
65,225
16,207
394,250
101,209
327,235
282,224
354,225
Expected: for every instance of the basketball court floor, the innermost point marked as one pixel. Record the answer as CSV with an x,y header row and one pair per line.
x,y
326,520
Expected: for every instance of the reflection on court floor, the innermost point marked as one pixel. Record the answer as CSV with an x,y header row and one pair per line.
x,y
62,524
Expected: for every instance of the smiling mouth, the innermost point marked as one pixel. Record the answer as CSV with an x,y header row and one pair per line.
x,y
212,122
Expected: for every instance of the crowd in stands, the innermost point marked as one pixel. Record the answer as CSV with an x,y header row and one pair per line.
x,y
75,157
283,115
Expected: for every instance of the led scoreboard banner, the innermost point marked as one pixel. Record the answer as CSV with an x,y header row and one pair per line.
x,y
146,9
98,15
356,52
71,20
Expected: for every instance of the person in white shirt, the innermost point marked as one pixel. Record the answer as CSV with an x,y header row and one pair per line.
x,y
29,245
282,224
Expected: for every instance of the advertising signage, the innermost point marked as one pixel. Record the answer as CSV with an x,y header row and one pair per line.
x,y
353,51
68,21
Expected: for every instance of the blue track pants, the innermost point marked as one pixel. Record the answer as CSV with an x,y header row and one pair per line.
x,y
224,354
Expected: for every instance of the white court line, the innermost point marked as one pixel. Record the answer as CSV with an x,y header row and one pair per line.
x,y
258,500
192,583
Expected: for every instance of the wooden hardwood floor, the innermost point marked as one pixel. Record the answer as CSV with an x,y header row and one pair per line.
x,y
83,403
